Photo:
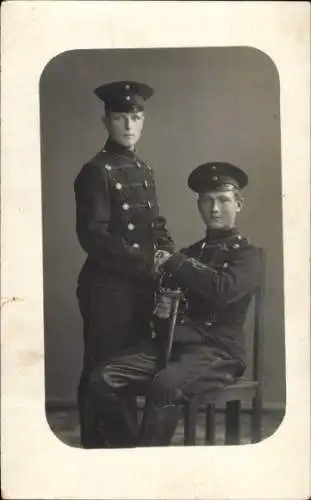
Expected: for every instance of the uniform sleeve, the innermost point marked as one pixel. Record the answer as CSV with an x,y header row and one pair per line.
x,y
223,286
163,238
93,213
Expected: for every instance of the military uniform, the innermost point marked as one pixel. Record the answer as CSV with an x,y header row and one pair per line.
x,y
218,276
119,227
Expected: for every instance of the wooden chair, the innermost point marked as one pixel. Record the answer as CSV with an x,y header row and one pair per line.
x,y
233,395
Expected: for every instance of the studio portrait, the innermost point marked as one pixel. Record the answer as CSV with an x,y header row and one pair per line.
x,y
162,240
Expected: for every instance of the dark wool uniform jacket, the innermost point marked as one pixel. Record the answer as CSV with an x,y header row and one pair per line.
x,y
117,218
218,274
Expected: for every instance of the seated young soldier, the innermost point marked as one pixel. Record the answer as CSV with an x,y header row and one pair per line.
x,y
218,276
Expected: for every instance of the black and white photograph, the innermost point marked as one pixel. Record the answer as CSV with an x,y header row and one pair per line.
x,y
162,247
155,250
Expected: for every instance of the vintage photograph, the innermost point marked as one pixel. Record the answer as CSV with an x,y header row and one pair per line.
x,y
162,247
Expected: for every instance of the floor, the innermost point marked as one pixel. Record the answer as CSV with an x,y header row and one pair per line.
x,y
65,425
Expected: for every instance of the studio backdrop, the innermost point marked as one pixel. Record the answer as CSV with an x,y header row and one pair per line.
x,y
210,104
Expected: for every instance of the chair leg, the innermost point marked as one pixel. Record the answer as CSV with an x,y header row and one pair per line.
x,y
210,424
190,420
232,435
256,419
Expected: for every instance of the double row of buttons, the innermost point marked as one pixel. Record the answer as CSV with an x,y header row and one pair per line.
x,y
131,227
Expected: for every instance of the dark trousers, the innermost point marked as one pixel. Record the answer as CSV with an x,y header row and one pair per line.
x,y
114,318
193,369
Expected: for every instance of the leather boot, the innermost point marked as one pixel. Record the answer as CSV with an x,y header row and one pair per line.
x,y
87,417
116,427
159,424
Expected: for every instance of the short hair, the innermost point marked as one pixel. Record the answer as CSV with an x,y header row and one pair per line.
x,y
238,195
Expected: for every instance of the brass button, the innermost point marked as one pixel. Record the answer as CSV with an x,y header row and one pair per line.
x,y
135,245
127,86
146,185
125,206
107,167
127,97
225,264
130,226
215,178
118,186
149,204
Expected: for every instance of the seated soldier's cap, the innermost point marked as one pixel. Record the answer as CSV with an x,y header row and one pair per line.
x,y
217,176
125,96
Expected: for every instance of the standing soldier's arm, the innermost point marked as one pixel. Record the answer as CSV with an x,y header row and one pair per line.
x,y
163,238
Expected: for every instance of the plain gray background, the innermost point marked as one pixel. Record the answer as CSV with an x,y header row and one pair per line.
x,y
211,104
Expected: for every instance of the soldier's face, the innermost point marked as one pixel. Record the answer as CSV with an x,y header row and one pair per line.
x,y
125,128
218,209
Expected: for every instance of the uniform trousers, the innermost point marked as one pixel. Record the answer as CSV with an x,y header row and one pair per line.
x,y
114,318
193,369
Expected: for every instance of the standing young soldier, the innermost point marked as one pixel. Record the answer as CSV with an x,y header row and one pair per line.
x,y
119,227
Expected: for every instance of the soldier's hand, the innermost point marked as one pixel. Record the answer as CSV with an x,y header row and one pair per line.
x,y
161,256
163,307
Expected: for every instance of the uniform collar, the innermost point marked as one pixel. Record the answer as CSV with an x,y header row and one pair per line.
x,y
218,235
113,147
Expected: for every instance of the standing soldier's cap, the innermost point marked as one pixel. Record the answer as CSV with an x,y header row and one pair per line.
x,y
217,176
126,96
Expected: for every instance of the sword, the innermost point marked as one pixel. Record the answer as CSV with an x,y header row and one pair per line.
x,y
165,327
175,295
